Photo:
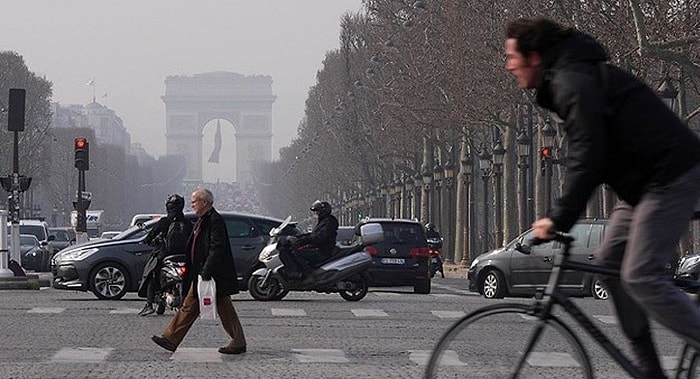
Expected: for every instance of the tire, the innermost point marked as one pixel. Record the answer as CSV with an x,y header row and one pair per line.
x,y
422,287
160,308
281,294
358,292
493,286
688,363
598,290
477,346
269,292
108,281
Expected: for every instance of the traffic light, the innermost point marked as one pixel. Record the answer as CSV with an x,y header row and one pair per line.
x,y
82,154
546,152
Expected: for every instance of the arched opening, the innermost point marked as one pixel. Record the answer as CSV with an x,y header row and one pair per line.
x,y
218,152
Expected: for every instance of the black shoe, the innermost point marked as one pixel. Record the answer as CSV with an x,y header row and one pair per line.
x,y
147,310
165,344
232,350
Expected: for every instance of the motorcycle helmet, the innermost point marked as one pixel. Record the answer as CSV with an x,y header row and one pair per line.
x,y
174,204
322,207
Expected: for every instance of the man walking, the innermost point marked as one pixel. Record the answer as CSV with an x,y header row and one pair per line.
x,y
210,256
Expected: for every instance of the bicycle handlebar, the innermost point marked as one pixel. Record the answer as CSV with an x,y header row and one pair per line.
x,y
564,238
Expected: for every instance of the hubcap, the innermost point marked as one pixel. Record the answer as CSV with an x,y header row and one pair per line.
x,y
600,291
490,286
109,281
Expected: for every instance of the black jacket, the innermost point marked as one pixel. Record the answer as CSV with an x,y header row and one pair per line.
x,y
213,257
322,236
618,130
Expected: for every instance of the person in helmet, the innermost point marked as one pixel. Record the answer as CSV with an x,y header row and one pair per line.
x,y
167,240
314,247
431,232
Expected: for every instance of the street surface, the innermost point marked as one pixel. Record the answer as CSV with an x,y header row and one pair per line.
x,y
51,333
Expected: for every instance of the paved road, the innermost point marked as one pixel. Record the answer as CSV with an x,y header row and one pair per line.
x,y
63,334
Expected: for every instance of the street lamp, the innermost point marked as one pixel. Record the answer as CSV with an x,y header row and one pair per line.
x,y
485,166
466,167
447,226
524,144
427,203
548,134
437,193
668,93
498,153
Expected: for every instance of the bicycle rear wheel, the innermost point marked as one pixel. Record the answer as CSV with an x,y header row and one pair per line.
x,y
491,343
688,363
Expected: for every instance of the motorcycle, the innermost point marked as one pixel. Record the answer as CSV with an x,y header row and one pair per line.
x,y
171,274
434,246
345,272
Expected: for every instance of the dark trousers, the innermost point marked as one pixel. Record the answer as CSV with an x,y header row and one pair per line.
x,y
183,319
153,285
642,241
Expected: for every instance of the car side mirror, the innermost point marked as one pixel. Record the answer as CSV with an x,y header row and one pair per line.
x,y
525,249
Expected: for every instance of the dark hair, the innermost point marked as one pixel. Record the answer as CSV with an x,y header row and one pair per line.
x,y
536,34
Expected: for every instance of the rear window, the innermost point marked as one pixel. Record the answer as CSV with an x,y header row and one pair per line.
x,y
36,230
404,234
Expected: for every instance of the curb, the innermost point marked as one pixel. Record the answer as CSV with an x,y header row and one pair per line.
x,y
29,282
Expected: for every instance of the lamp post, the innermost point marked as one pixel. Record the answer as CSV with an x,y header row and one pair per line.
x,y
437,205
427,206
548,134
524,143
498,153
668,93
448,229
485,166
466,171
417,189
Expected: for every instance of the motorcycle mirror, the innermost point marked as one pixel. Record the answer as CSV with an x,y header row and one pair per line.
x,y
277,230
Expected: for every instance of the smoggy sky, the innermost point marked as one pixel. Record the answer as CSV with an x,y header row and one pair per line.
x,y
128,47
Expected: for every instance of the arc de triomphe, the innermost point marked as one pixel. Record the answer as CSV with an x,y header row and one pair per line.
x,y
245,101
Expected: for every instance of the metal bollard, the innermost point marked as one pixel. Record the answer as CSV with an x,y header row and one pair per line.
x,y
4,270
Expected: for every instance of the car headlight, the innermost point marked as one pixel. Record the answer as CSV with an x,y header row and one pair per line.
x,y
76,255
474,263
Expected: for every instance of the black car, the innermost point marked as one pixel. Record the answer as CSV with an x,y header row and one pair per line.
x,y
509,272
63,237
111,268
402,259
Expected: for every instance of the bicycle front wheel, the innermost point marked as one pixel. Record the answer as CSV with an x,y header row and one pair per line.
x,y
688,363
505,341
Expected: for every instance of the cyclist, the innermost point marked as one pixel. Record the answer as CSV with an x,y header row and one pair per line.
x,y
621,134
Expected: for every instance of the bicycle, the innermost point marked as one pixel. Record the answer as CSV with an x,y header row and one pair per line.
x,y
552,348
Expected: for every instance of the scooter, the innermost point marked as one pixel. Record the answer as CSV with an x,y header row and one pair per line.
x,y
171,274
434,246
345,272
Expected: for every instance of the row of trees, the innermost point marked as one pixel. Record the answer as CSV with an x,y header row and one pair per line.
x,y
420,84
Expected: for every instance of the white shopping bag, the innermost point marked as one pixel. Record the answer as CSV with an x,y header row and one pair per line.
x,y
206,289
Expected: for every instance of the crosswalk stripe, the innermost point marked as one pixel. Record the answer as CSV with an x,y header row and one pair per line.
x,y
81,355
46,310
551,359
448,358
386,294
196,354
124,311
320,356
447,295
369,313
606,319
449,314
288,312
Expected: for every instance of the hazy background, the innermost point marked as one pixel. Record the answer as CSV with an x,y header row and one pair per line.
x,y
128,47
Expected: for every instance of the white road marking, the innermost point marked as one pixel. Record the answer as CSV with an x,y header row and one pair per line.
x,y
448,358
124,311
81,355
386,294
46,310
196,354
551,359
369,313
449,314
447,295
288,312
320,356
527,317
606,319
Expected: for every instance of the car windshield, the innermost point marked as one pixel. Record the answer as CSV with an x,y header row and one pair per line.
x,y
36,230
28,240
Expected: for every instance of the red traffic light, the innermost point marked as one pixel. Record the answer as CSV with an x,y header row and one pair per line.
x,y
82,154
80,143
546,152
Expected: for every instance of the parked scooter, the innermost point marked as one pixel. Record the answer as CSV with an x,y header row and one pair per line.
x,y
345,272
171,274
434,246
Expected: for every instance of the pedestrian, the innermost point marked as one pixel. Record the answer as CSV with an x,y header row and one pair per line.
x,y
210,256
621,134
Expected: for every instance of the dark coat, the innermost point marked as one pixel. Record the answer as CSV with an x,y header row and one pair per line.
x,y
618,130
322,237
213,256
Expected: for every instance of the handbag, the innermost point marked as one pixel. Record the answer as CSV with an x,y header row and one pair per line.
x,y
206,289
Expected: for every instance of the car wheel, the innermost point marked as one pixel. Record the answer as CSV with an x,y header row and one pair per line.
x,y
598,289
422,286
108,281
263,292
493,286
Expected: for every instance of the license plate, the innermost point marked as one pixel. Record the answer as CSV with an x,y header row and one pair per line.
x,y
393,261
433,260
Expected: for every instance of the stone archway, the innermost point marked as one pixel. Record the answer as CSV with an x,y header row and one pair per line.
x,y
244,101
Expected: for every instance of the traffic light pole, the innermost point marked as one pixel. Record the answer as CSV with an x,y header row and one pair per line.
x,y
81,203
